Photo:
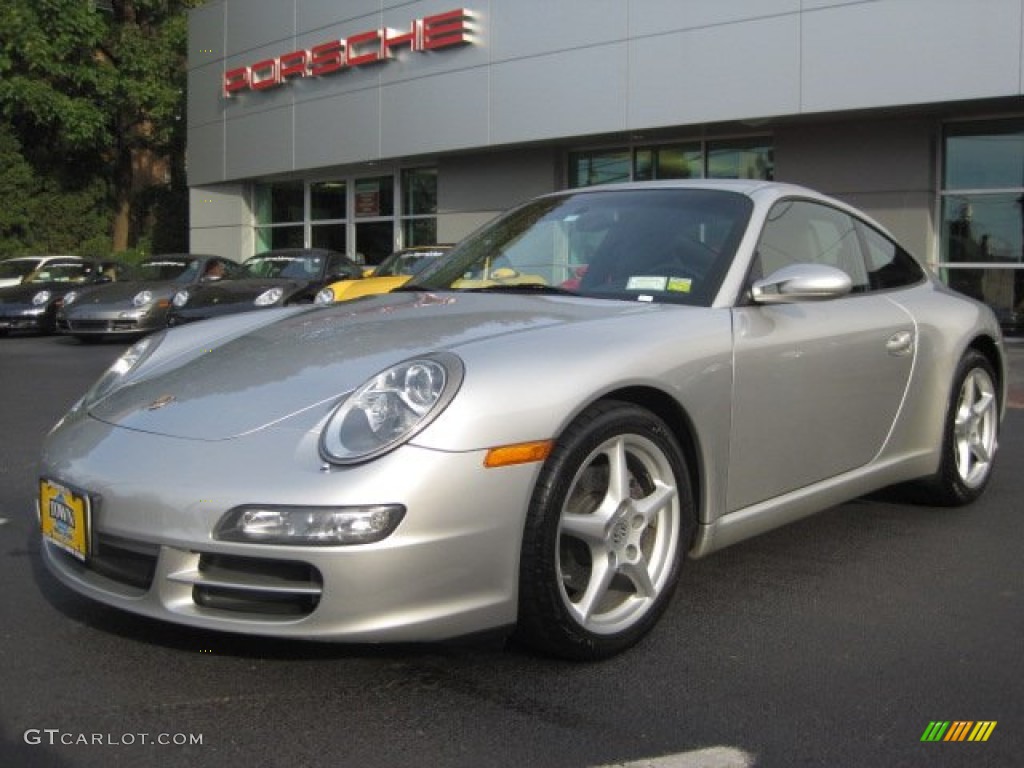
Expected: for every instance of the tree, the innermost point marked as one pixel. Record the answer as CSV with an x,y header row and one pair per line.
x,y
98,88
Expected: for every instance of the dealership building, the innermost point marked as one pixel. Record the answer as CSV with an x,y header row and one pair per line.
x,y
369,125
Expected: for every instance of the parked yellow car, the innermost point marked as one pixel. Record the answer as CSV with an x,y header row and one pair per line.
x,y
396,270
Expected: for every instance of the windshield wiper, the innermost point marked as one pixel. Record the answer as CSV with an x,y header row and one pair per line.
x,y
521,288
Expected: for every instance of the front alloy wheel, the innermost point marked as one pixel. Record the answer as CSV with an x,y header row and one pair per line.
x,y
608,523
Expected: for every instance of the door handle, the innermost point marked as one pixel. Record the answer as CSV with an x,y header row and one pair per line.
x,y
900,344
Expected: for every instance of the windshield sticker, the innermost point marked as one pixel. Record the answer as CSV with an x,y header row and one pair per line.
x,y
646,283
680,284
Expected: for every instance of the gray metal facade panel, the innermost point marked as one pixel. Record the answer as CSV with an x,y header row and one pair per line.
x,y
204,155
206,35
683,78
252,25
261,143
202,81
542,70
573,92
317,15
905,52
647,18
434,114
527,29
345,129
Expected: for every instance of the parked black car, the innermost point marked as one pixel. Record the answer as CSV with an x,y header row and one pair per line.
x,y
271,279
32,304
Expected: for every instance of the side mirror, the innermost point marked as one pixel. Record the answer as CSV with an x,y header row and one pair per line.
x,y
801,282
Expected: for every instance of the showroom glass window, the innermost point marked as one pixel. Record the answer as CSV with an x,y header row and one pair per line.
x,y
751,158
279,209
982,214
328,207
363,217
419,206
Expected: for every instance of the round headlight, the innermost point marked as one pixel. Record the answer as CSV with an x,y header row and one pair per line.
x,y
70,297
180,299
390,408
41,298
132,358
325,296
142,299
269,297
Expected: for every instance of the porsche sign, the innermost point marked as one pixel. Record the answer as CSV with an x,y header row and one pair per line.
x,y
430,33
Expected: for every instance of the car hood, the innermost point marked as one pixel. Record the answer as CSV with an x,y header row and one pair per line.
x,y
305,361
245,290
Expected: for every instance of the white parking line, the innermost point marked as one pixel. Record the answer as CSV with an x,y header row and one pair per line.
x,y
712,757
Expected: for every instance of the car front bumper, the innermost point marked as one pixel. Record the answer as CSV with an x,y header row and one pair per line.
x,y
110,323
25,319
450,568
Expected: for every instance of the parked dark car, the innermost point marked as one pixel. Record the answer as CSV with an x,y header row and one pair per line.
x,y
142,304
273,279
32,304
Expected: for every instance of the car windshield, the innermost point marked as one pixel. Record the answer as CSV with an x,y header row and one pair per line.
x,y
296,266
661,245
77,272
17,268
410,262
165,269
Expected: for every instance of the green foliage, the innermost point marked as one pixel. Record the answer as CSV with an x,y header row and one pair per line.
x,y
83,93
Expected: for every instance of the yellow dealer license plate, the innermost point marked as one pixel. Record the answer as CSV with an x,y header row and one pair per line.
x,y
65,517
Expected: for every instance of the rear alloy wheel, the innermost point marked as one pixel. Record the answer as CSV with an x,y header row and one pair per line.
x,y
609,521
971,435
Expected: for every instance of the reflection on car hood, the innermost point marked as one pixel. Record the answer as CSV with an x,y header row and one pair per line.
x,y
243,290
312,358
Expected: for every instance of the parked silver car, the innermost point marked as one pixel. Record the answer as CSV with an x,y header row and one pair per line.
x,y
140,305
535,433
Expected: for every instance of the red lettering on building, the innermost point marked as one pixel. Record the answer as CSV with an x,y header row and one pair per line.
x,y
264,74
430,33
327,58
445,29
369,42
294,64
392,39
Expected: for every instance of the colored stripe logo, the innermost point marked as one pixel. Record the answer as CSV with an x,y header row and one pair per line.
x,y
958,730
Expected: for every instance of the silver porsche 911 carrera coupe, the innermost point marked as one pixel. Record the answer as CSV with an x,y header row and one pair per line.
x,y
535,433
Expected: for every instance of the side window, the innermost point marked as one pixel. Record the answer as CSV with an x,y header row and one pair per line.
x,y
801,232
889,266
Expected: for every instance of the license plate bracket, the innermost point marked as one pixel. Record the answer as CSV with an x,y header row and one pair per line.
x,y
65,517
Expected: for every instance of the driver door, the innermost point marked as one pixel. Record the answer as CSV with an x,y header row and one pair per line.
x,y
817,385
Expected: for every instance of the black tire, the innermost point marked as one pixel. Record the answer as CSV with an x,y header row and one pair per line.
x,y
970,436
579,518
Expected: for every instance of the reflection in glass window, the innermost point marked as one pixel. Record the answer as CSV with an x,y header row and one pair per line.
x,y
746,159
327,200
599,167
983,215
752,158
268,238
374,197
984,156
279,202
329,236
419,206
684,161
